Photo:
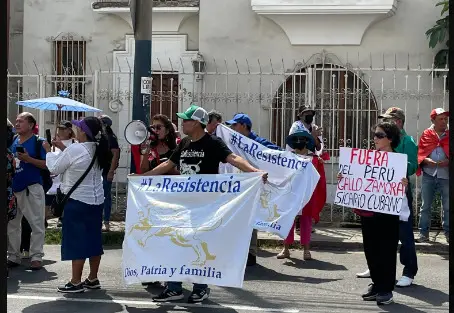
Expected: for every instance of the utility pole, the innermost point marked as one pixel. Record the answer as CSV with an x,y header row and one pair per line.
x,y
141,14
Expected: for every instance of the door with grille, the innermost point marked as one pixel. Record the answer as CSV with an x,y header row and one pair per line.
x,y
164,95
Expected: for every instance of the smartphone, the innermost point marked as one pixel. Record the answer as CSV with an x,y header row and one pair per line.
x,y
20,149
48,136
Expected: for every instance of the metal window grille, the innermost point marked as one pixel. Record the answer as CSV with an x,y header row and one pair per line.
x,y
69,66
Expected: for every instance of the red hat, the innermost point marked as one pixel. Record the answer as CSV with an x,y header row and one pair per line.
x,y
438,111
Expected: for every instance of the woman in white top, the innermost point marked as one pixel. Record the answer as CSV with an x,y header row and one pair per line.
x,y
82,217
66,137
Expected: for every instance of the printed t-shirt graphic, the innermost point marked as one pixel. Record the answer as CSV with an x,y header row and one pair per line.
x,y
200,157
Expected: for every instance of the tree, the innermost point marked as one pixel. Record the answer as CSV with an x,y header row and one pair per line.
x,y
437,35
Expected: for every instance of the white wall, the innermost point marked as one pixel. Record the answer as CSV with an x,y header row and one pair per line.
x,y
190,27
231,30
48,18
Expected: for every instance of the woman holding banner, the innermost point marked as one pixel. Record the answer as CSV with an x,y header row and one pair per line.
x,y
381,231
302,143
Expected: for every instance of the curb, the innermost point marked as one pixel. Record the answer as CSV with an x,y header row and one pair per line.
x,y
115,239
432,248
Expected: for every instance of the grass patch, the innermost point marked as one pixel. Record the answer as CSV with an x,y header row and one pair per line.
x,y
113,238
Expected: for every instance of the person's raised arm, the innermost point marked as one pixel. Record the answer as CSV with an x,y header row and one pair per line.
x,y
56,163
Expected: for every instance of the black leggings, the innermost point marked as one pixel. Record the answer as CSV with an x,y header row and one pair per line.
x,y
380,239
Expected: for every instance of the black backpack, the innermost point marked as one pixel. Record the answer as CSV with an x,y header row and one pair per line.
x,y
45,174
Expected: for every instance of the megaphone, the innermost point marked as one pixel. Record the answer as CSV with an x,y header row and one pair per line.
x,y
136,133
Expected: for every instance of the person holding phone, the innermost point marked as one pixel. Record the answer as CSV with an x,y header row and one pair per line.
x,y
28,189
64,138
82,218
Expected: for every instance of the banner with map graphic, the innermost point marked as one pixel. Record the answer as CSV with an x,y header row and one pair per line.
x,y
189,228
277,205
291,181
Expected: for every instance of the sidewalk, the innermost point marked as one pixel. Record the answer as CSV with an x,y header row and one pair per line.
x,y
352,239
326,238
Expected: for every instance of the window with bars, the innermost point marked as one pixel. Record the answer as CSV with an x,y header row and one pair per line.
x,y
345,106
69,72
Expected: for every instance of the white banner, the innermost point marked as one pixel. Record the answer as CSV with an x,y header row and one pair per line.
x,y
291,181
280,165
279,204
371,180
189,228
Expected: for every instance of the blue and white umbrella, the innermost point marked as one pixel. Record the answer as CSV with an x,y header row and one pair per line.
x,y
57,104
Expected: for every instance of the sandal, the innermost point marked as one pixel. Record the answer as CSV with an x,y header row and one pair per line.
x,y
307,255
284,254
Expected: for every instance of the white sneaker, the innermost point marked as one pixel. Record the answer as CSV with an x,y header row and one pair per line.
x,y
365,274
404,281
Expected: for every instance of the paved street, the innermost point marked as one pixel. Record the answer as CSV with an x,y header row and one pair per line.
x,y
326,284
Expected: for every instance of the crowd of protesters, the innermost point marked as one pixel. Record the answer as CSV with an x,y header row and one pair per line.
x,y
88,149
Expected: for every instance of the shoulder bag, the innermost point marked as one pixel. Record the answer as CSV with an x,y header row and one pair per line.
x,y
58,204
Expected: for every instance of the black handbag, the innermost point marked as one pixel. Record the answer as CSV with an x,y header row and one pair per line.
x,y
58,204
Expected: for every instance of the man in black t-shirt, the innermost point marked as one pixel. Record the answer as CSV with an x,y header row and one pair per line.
x,y
198,153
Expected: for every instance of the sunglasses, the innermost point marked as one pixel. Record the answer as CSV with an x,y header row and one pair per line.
x,y
380,135
156,127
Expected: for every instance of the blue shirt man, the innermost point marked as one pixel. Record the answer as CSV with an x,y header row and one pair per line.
x,y
242,124
27,186
27,174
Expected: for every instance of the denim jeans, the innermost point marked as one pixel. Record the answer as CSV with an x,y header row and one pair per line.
x,y
429,186
107,186
407,251
176,286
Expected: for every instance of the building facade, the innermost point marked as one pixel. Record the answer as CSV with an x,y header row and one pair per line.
x,y
349,59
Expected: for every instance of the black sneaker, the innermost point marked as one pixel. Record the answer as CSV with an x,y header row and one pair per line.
x,y
92,284
251,260
385,298
71,288
168,295
371,294
12,264
198,295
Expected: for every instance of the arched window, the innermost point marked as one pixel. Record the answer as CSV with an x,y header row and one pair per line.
x,y
345,106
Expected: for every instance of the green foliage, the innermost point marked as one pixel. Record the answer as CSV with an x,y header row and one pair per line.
x,y
438,34
112,238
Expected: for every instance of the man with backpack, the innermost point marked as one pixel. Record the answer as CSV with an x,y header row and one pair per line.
x,y
28,188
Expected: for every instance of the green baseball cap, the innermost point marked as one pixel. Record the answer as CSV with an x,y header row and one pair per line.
x,y
195,113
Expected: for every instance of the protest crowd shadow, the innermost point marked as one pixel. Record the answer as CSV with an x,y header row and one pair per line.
x,y
399,308
259,272
78,306
28,277
431,296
